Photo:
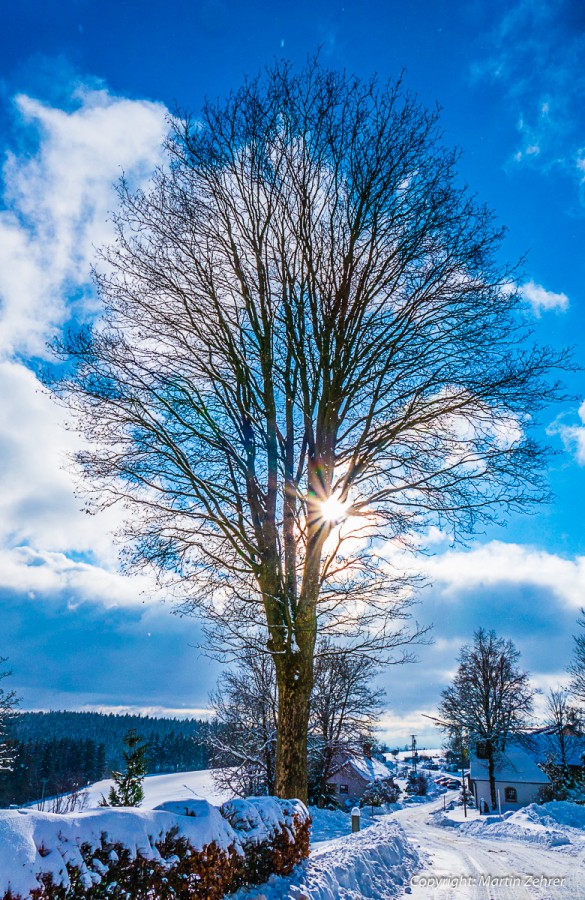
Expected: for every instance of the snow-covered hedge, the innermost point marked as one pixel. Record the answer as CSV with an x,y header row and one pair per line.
x,y
288,837
181,849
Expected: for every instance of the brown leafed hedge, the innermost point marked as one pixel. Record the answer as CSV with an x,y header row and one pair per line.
x,y
182,871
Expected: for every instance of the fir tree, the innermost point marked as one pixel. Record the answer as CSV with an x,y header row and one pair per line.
x,y
128,790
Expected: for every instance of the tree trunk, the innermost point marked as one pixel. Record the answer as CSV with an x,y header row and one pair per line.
x,y
492,775
295,683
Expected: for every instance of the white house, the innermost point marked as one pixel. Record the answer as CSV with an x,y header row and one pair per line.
x,y
353,774
518,779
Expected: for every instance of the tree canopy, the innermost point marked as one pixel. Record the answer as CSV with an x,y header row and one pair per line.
x,y
309,351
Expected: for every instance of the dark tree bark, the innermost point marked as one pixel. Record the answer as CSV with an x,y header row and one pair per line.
x,y
309,352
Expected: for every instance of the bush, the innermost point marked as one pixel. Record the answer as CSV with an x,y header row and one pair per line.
x,y
381,791
268,837
417,784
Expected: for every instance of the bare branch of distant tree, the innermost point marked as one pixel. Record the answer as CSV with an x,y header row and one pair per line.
x,y
8,703
577,667
489,699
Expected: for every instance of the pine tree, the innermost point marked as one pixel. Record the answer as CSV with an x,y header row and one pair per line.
x,y
8,701
128,790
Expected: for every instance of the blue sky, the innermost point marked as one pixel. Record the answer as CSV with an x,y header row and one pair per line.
x,y
84,88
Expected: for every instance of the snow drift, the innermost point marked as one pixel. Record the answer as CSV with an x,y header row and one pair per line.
x,y
189,842
375,864
553,824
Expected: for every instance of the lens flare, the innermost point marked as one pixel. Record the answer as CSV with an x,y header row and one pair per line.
x,y
333,509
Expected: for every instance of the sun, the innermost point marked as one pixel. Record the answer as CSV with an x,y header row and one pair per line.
x,y
333,509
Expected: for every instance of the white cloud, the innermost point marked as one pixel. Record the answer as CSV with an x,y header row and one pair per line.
x,y
40,572
57,203
398,727
502,563
572,436
38,505
542,300
167,712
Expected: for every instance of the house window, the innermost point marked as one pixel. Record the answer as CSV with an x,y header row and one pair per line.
x,y
481,750
344,788
330,788
510,795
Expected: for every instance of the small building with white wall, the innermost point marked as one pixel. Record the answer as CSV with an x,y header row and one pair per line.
x,y
519,779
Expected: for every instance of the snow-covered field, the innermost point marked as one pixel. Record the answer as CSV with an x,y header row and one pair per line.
x,y
160,788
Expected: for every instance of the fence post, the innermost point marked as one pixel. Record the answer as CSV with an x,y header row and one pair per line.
x,y
355,819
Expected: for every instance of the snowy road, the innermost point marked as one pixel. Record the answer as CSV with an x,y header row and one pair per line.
x,y
457,866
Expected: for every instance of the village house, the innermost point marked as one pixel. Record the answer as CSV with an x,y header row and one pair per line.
x,y
353,774
546,746
519,779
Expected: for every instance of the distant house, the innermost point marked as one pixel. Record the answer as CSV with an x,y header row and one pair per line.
x,y
519,779
353,774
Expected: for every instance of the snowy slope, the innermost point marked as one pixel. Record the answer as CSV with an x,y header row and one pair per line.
x,y
161,788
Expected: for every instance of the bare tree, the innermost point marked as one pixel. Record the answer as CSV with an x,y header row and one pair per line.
x,y
577,667
8,703
309,352
560,743
489,699
245,705
344,711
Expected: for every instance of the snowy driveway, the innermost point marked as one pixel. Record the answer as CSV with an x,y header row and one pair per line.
x,y
457,866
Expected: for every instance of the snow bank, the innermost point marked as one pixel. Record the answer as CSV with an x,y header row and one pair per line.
x,y
375,864
329,824
33,842
553,824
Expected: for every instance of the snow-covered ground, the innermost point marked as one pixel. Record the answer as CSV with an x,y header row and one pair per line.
x,y
463,863
375,864
417,850
161,788
554,824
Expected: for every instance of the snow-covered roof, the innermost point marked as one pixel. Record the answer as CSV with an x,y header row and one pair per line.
x,y
369,768
513,764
